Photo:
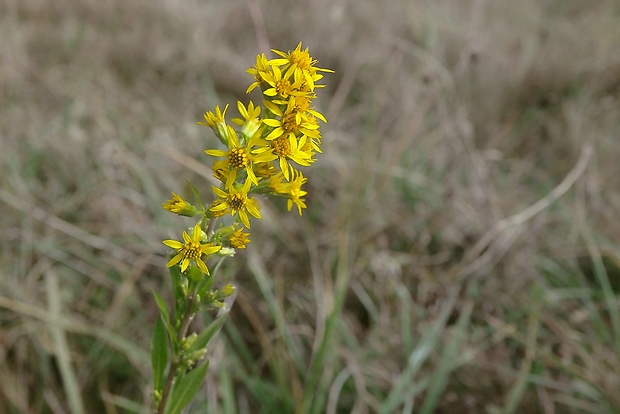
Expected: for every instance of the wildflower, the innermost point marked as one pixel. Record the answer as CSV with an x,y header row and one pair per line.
x,y
315,141
236,199
301,104
217,123
238,239
250,122
290,122
280,86
300,63
215,211
265,170
240,157
220,170
288,147
192,249
179,206
290,189
258,71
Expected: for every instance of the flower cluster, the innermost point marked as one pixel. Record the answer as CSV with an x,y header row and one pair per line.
x,y
264,152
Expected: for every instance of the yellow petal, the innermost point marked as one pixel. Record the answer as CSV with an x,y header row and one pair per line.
x,y
173,243
176,259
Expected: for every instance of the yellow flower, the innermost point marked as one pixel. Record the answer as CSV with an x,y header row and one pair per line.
x,y
192,249
179,206
218,212
217,123
288,147
241,157
301,104
220,170
213,120
280,86
290,122
315,142
250,122
291,189
238,239
300,63
236,199
260,68
265,170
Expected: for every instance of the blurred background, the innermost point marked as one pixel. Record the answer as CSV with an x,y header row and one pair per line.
x,y
460,251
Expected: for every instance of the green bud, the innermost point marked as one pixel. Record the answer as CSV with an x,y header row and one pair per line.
x,y
226,291
156,397
197,355
187,342
210,296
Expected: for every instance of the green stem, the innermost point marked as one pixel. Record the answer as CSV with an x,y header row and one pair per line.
x,y
211,226
172,373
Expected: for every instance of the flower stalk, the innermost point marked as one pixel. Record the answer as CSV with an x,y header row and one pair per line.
x,y
262,157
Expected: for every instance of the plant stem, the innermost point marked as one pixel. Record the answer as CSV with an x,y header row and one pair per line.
x,y
211,226
174,365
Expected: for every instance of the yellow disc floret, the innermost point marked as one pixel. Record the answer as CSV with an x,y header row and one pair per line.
x,y
238,158
192,249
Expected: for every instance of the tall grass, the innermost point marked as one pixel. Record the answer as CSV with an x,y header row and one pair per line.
x,y
460,251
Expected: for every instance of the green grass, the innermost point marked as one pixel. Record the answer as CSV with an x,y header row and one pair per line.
x,y
460,252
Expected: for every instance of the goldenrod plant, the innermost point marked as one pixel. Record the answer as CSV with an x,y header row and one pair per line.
x,y
261,157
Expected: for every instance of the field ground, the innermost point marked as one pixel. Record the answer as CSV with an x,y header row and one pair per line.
x,y
460,253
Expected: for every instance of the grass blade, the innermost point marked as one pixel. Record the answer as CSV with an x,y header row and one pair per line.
x,y
61,347
405,386
159,353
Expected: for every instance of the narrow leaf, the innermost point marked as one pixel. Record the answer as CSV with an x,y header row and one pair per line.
x,y
196,194
165,314
186,388
159,353
203,339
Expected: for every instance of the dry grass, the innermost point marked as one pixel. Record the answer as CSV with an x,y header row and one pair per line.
x,y
460,251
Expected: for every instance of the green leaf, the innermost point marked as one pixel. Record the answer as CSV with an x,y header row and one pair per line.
x,y
205,284
165,314
159,353
196,194
186,388
203,339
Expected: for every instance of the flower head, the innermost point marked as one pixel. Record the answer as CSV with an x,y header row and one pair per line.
x,y
179,206
300,63
240,157
290,122
250,122
260,68
217,123
290,148
191,249
236,199
279,85
238,239
290,189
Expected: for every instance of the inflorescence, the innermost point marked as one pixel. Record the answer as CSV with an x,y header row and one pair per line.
x,y
263,155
